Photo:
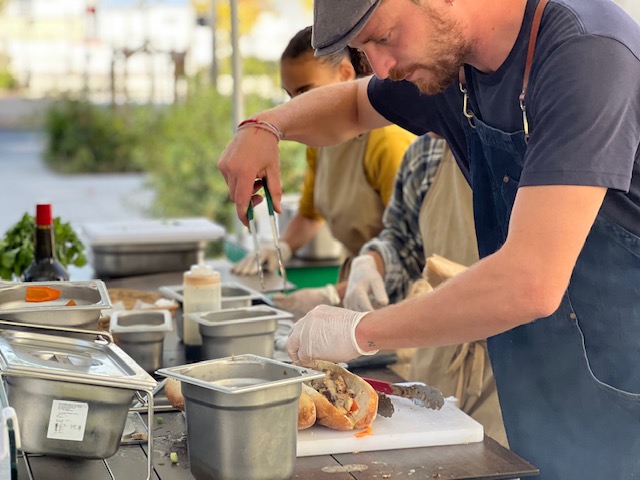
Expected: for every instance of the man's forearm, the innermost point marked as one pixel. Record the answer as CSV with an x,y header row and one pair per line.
x,y
478,303
326,116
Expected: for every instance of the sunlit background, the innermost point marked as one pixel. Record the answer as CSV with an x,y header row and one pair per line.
x,y
120,108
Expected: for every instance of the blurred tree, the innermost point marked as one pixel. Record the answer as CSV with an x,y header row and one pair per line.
x,y
182,145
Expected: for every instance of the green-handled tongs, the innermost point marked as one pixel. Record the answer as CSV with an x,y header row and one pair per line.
x,y
274,232
256,246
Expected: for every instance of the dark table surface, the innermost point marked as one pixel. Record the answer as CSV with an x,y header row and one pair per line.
x,y
481,460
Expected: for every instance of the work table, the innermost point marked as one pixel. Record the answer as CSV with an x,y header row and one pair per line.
x,y
481,460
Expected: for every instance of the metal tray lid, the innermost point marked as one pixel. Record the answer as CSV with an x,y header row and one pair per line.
x,y
68,358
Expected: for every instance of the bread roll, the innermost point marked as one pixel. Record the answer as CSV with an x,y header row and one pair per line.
x,y
343,400
173,391
306,408
440,269
306,405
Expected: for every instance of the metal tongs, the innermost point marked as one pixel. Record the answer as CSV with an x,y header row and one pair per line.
x,y
274,233
421,394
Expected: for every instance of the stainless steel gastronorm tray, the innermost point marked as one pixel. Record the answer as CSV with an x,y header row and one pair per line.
x,y
91,297
233,295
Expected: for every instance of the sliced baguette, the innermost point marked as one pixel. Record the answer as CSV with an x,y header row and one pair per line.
x,y
306,408
343,400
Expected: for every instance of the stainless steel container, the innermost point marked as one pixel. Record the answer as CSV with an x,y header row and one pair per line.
x,y
71,395
136,247
236,331
90,298
126,260
233,294
141,333
242,416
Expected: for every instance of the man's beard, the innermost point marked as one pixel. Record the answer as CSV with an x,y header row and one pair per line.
x,y
450,51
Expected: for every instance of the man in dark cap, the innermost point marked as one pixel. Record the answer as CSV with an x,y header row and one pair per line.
x,y
540,102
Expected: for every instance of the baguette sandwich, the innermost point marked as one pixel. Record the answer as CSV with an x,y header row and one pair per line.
x,y
343,400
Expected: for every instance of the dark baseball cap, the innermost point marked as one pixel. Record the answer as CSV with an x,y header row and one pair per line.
x,y
337,22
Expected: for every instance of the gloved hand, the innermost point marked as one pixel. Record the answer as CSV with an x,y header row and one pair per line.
x,y
365,290
301,301
268,259
327,333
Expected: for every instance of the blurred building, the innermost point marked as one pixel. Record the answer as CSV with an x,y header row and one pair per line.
x,y
124,49
137,50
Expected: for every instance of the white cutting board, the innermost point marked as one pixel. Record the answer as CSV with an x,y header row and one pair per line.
x,y
410,426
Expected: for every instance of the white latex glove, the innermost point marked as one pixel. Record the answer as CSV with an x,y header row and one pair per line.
x,y
268,259
326,333
365,290
301,301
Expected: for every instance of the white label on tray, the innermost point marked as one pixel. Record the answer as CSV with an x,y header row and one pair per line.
x,y
68,420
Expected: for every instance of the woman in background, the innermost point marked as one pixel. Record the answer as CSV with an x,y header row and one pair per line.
x,y
349,195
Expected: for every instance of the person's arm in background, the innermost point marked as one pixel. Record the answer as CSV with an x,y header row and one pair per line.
x,y
323,116
398,249
299,231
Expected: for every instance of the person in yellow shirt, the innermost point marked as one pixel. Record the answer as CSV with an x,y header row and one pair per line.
x,y
349,196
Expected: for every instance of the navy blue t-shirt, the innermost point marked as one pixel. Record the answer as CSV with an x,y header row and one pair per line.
x,y
583,103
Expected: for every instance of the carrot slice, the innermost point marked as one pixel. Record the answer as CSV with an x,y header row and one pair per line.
x,y
354,406
41,294
364,433
70,303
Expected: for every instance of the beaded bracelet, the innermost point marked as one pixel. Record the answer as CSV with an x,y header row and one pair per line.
x,y
269,127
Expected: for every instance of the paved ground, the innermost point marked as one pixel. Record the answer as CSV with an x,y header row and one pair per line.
x,y
25,180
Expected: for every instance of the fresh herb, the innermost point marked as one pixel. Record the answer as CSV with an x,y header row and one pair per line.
x,y
17,248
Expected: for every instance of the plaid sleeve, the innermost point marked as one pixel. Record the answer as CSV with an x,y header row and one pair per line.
x,y
400,242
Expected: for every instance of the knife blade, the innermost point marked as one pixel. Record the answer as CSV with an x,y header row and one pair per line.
x,y
421,394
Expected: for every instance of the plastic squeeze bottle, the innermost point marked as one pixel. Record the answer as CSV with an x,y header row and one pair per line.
x,y
201,293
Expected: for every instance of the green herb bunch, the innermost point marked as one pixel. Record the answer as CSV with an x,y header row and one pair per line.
x,y
17,246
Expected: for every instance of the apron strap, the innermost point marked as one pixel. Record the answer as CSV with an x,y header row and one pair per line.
x,y
533,36
535,27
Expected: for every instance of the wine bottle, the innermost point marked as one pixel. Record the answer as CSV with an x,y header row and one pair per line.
x,y
45,266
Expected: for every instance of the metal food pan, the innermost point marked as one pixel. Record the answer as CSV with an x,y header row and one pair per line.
x,y
91,297
233,295
238,330
242,415
126,260
71,395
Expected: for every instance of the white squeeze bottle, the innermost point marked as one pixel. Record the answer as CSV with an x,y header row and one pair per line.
x,y
201,293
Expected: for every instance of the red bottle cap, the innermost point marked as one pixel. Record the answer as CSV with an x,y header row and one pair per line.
x,y
43,214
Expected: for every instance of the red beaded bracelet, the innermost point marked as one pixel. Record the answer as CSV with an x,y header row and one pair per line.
x,y
257,123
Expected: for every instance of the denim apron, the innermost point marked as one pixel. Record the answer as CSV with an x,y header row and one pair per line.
x,y
569,384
